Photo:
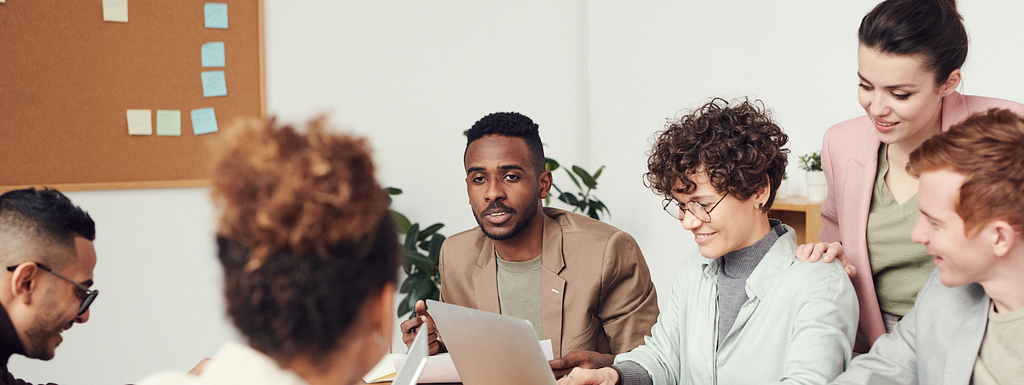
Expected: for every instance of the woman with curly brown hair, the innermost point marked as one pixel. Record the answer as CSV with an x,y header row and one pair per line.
x,y
310,258
743,311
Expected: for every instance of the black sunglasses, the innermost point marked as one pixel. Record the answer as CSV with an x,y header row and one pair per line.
x,y
90,295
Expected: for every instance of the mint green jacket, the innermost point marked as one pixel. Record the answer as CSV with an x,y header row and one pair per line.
x,y
797,327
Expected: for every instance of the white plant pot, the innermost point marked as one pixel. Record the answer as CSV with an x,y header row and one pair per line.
x,y
783,191
816,188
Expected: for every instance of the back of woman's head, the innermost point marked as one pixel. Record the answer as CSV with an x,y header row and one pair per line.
x,y
304,235
930,28
736,144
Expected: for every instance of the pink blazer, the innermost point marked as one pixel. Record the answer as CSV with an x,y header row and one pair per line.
x,y
849,156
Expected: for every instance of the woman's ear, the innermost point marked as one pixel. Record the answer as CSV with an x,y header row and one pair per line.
x,y
952,82
760,198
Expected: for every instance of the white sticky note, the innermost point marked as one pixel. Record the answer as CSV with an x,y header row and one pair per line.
x,y
168,122
115,10
140,122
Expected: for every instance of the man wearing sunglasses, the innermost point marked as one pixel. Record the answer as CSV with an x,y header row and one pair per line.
x,y
46,248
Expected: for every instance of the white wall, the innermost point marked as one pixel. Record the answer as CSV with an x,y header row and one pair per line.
x,y
600,77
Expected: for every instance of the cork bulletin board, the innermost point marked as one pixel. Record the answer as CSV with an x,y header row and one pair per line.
x,y
68,78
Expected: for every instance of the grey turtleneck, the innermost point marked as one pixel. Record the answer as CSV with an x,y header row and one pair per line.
x,y
733,271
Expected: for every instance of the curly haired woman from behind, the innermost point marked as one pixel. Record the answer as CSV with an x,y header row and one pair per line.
x,y
310,258
744,310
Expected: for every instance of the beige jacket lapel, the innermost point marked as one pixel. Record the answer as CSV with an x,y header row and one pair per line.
x,y
552,286
486,279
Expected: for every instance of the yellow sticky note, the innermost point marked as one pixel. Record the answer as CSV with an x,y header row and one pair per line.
x,y
115,10
168,122
140,122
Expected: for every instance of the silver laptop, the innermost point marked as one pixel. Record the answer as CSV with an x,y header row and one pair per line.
x,y
415,361
490,348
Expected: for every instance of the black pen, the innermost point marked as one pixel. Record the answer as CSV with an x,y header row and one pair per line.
x,y
413,329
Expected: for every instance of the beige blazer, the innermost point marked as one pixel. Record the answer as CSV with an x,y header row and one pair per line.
x,y
849,156
596,289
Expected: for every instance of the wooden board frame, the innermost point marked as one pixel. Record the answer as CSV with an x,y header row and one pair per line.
x,y
68,78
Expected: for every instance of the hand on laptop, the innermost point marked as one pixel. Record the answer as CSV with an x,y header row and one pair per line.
x,y
582,359
604,376
422,319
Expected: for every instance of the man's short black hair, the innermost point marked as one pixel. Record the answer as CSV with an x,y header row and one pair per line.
x,y
513,125
47,213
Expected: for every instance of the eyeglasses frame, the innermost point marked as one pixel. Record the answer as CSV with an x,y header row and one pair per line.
x,y
90,294
686,206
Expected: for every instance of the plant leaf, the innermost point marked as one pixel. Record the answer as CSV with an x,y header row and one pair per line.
x,y
412,236
420,261
393,191
587,179
550,164
435,248
430,230
569,198
598,174
402,222
573,177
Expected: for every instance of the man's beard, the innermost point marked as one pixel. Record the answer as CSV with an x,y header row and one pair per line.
x,y
43,329
520,224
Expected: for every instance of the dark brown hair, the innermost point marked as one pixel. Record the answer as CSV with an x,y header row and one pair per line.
x,y
988,149
931,28
304,235
739,147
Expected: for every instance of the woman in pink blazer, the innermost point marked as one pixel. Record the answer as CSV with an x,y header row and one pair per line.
x,y
909,63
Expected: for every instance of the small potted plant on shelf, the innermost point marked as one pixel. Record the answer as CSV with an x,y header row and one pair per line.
x,y
783,191
816,188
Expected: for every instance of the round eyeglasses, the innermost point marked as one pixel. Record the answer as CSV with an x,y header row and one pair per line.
x,y
702,212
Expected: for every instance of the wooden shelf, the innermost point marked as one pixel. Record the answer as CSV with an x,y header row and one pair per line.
x,y
801,215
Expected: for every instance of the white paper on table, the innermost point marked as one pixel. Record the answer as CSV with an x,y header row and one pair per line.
x,y
383,368
440,367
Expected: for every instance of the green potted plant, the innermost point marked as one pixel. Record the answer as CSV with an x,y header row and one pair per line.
x,y
420,255
783,191
816,187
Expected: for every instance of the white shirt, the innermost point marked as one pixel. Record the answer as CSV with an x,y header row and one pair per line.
x,y
234,364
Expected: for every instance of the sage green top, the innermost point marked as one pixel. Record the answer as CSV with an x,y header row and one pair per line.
x,y
899,266
519,291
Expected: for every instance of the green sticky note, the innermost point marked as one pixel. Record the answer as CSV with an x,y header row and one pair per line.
x,y
168,122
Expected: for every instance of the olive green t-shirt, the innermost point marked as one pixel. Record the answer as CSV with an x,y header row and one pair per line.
x,y
1002,350
519,291
899,266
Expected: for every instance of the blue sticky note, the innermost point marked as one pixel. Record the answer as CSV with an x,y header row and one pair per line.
x,y
214,84
204,121
213,54
216,15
